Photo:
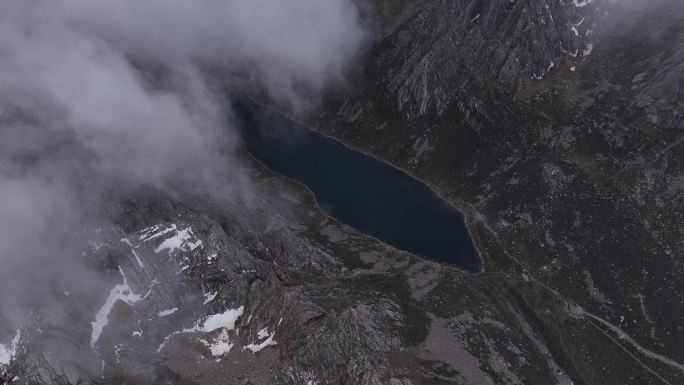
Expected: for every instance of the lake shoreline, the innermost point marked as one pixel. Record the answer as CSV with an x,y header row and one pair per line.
x,y
467,213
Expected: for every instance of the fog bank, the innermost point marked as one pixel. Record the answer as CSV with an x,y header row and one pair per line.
x,y
96,94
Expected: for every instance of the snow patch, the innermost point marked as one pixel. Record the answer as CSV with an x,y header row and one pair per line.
x,y
209,297
221,344
164,313
152,232
574,26
120,292
7,353
541,76
269,341
211,258
137,259
581,3
225,321
183,240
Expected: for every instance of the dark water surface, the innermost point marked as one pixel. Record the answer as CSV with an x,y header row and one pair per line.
x,y
357,189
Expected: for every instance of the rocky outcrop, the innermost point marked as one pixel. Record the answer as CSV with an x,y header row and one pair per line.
x,y
202,291
571,176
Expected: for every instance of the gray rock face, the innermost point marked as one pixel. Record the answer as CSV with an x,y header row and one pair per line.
x,y
447,48
272,291
570,177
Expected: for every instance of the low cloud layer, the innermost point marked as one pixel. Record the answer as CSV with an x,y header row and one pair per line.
x,y
101,93
619,16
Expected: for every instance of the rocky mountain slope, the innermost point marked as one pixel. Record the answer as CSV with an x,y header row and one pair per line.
x,y
556,130
285,295
573,169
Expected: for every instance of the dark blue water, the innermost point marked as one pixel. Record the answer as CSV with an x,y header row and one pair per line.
x,y
357,189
